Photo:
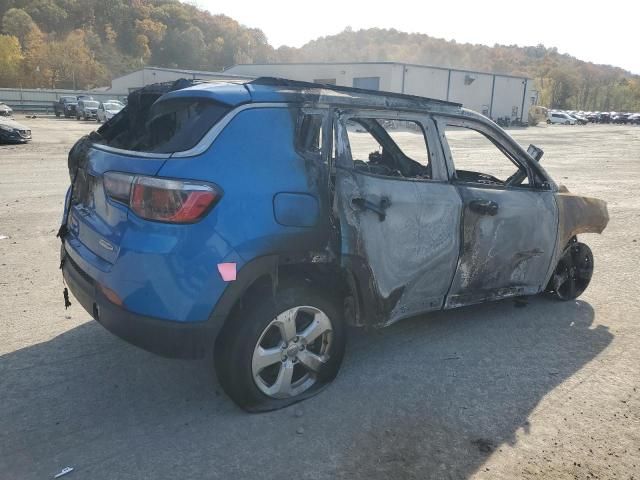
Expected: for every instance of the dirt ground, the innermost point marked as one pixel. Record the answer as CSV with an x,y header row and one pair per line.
x,y
548,390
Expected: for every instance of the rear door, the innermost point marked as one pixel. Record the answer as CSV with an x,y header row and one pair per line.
x,y
509,220
399,216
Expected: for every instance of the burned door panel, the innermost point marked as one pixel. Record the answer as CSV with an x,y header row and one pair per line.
x,y
412,252
509,238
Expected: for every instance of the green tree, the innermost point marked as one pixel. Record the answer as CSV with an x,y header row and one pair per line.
x,y
18,23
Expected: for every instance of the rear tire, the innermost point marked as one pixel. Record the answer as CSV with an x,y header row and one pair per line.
x,y
280,349
57,114
548,122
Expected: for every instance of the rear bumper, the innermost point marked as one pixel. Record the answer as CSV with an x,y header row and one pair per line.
x,y
162,337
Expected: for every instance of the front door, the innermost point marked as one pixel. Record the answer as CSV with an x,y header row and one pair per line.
x,y
399,216
509,225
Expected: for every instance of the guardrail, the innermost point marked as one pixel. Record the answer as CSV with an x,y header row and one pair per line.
x,y
41,101
32,108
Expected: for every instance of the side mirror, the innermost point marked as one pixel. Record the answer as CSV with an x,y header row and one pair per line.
x,y
535,152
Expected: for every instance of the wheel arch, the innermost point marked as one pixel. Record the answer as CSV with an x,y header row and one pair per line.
x,y
348,283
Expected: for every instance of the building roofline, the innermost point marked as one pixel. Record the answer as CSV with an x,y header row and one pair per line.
x,y
415,65
402,100
190,72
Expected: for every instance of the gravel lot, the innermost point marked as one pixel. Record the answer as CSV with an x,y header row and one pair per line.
x,y
550,390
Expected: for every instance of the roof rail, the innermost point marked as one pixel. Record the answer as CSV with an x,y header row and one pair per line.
x,y
285,82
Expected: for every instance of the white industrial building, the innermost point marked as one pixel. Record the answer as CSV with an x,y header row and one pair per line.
x,y
493,95
496,96
149,75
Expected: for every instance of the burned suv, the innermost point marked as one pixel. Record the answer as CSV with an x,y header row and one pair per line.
x,y
260,218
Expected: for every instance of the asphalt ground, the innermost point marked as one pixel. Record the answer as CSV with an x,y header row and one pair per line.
x,y
534,389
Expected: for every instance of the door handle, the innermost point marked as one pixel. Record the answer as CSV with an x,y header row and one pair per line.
x,y
483,207
364,204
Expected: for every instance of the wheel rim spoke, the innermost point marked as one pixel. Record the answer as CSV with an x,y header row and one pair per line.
x,y
286,361
265,357
286,323
311,361
318,326
282,386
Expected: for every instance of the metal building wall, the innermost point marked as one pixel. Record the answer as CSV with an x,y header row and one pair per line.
x,y
493,95
342,74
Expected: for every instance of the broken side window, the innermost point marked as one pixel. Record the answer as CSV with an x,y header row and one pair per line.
x,y
169,126
394,148
477,159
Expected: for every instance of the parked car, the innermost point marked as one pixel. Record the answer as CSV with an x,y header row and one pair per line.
x,y
620,118
66,106
603,117
13,132
106,110
580,120
592,117
634,118
5,110
561,118
87,109
245,218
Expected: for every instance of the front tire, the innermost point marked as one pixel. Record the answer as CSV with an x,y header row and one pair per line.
x,y
280,348
573,273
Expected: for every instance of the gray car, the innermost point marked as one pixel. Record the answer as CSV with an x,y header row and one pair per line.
x,y
5,110
87,109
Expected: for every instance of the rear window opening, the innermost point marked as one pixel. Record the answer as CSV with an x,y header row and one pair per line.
x,y
167,126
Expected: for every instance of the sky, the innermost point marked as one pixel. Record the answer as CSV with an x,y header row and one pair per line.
x,y
600,32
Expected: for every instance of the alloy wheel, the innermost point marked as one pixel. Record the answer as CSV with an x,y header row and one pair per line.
x,y
291,351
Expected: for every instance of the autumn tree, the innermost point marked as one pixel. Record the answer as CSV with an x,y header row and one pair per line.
x,y
10,60
70,63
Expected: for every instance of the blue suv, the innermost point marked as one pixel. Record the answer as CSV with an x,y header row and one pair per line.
x,y
259,218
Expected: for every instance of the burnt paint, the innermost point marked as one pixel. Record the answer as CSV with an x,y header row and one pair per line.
x,y
412,253
576,215
508,253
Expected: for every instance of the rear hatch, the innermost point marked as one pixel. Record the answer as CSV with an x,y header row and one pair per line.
x,y
113,170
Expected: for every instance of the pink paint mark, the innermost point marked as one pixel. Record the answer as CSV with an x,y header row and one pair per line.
x,y
227,271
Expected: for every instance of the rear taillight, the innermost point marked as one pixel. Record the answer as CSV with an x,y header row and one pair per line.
x,y
160,199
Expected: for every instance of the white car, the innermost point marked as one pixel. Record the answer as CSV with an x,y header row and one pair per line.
x,y
106,110
562,118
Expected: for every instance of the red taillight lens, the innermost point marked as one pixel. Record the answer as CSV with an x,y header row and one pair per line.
x,y
160,199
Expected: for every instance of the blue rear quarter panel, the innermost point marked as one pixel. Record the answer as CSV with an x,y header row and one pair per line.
x,y
170,271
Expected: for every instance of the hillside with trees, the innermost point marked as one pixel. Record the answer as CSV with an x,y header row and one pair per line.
x,y
85,43
562,80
